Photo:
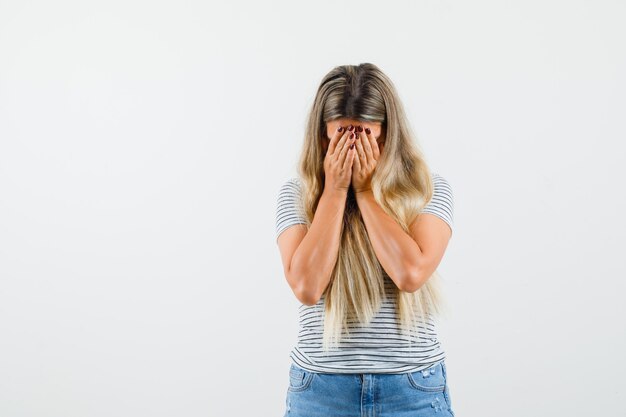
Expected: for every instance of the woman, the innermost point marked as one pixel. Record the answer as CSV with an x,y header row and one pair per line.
x,y
361,232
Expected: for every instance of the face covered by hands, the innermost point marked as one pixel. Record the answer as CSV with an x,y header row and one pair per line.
x,y
369,144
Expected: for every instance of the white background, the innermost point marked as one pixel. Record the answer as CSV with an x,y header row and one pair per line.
x,y
142,146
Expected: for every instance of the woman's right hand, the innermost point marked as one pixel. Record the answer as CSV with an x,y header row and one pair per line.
x,y
338,160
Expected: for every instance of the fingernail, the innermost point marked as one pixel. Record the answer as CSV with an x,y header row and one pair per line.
x,y
360,128
351,135
340,129
350,128
367,130
352,146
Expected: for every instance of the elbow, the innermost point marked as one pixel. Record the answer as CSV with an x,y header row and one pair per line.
x,y
413,279
302,290
308,300
306,296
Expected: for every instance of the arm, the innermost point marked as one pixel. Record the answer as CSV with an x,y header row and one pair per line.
x,y
408,258
310,256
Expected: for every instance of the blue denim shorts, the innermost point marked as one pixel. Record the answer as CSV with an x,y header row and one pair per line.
x,y
421,393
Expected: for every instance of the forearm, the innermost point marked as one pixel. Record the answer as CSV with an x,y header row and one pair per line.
x,y
316,255
395,249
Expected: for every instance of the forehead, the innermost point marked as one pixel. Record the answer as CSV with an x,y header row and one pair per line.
x,y
345,121
376,127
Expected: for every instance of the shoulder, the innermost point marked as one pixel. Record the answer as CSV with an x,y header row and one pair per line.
x,y
289,194
291,186
441,184
442,202
288,208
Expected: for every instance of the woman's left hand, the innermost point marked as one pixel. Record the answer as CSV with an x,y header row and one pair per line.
x,y
365,160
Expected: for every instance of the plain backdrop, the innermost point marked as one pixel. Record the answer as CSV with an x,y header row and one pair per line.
x,y
142,146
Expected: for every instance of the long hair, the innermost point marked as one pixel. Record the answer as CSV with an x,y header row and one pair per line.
x,y
401,184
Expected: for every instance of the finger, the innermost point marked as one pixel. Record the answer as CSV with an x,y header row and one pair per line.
x,y
348,163
360,152
356,165
367,145
345,138
339,133
349,157
374,142
344,151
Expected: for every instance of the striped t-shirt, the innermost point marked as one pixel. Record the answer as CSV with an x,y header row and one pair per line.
x,y
379,347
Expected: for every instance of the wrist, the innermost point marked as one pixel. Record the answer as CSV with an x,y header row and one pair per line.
x,y
335,194
363,196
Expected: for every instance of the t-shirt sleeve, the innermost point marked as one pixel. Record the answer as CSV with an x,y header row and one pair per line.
x,y
288,210
442,203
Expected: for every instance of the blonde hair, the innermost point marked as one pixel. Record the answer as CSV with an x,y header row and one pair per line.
x,y
401,184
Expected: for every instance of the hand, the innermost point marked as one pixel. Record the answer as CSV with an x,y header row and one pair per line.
x,y
365,161
338,160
